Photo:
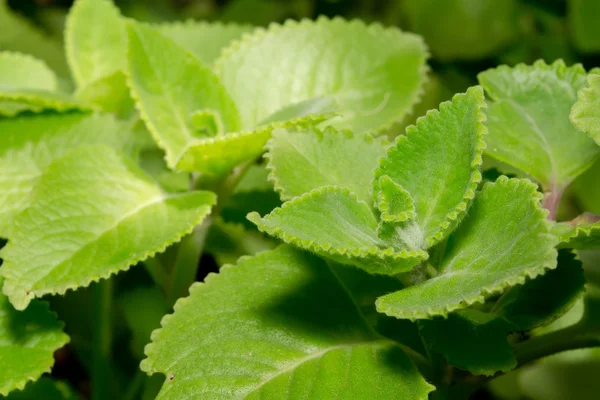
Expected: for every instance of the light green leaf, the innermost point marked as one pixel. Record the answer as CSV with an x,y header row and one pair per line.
x,y
29,144
583,21
21,71
528,121
583,233
437,163
169,94
394,202
463,29
503,241
472,340
543,299
300,161
205,40
373,73
110,94
276,340
95,40
585,114
333,223
18,34
47,389
92,214
28,340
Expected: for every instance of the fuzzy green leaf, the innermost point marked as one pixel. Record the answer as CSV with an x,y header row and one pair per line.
x,y
27,84
503,241
29,144
472,340
110,94
585,114
584,234
300,161
394,202
92,214
205,40
28,340
528,121
332,222
374,73
260,330
543,299
583,22
47,389
437,163
95,40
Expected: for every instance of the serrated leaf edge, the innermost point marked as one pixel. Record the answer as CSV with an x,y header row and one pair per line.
x,y
486,292
378,29
577,233
20,385
593,88
310,245
384,207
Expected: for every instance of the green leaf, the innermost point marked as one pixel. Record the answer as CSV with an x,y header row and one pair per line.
x,y
374,87
528,121
503,241
29,144
543,299
583,233
95,41
28,341
300,161
18,34
394,202
92,214
472,340
463,29
437,163
21,71
332,222
582,17
585,114
275,340
47,389
205,40
110,94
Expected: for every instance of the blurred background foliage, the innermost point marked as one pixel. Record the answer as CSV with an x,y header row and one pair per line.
x,y
465,37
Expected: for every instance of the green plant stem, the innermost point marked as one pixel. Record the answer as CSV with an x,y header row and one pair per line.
x,y
571,338
101,371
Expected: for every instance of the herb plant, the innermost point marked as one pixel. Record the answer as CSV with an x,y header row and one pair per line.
x,y
370,266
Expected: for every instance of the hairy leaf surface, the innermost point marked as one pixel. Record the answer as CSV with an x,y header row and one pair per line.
x,y
260,330
528,121
332,222
29,144
92,214
45,388
437,163
95,40
28,340
205,40
585,114
300,161
503,241
585,234
374,73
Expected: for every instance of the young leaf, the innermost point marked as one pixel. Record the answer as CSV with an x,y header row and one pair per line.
x,y
300,161
331,222
28,341
503,241
394,202
95,40
437,163
374,73
277,338
585,114
472,340
29,144
583,235
543,299
92,214
528,121
205,40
